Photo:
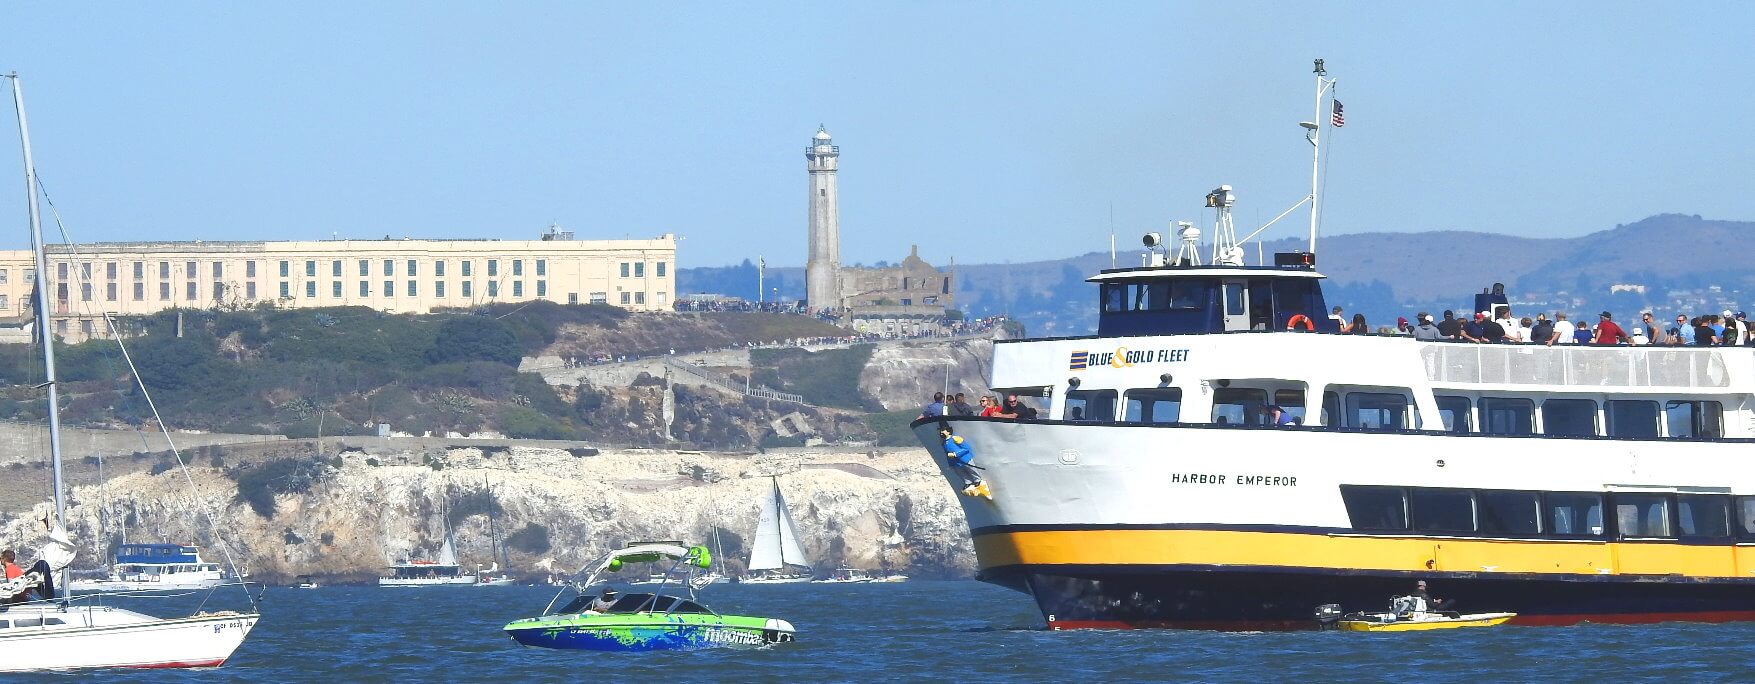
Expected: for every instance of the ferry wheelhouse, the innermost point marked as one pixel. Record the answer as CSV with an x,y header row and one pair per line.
x,y
1564,484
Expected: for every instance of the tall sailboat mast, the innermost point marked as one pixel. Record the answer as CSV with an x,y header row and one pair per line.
x,y
1323,85
42,303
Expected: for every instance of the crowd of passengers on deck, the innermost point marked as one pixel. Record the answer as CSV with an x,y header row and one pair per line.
x,y
1501,327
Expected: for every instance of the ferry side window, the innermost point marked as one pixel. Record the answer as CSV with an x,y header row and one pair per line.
x,y
1695,418
1093,405
1631,418
1505,512
1158,405
1570,417
1377,411
1375,508
1745,512
1293,402
1572,515
1454,411
1238,406
1114,297
1507,416
1442,510
1152,296
1188,293
1331,409
1643,515
1705,516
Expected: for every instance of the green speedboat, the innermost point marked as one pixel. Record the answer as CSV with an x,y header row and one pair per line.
x,y
658,621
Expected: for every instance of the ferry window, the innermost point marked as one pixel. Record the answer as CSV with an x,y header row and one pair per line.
x,y
1454,411
1293,402
1375,508
1233,298
1577,515
1503,416
1237,406
1376,411
1509,512
1703,515
1628,418
1571,417
1162,405
1095,405
1442,510
1643,515
1746,517
1151,296
1188,294
1331,409
1114,297
1695,418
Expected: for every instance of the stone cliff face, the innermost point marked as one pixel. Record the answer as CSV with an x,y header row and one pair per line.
x,y
906,376
882,510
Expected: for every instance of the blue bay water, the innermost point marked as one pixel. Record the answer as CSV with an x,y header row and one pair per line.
x,y
959,631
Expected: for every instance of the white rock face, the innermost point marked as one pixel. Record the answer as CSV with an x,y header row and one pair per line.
x,y
361,517
906,376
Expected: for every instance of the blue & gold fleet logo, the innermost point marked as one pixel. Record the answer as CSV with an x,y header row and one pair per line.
x,y
1123,357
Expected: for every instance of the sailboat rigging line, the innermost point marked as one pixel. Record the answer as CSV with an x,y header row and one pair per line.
x,y
182,465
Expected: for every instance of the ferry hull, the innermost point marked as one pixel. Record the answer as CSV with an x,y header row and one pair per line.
x,y
1255,599
1116,526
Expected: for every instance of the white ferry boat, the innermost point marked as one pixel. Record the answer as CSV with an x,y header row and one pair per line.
x,y
1564,484
155,567
443,572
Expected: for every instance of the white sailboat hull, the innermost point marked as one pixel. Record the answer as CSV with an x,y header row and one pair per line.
x,y
779,579
465,581
104,637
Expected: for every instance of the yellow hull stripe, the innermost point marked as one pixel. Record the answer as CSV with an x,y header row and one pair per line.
x,y
1323,551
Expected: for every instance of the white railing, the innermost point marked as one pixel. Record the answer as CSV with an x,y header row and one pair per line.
x,y
1576,365
725,382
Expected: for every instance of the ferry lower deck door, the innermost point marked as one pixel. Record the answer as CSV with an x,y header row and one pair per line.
x,y
1236,305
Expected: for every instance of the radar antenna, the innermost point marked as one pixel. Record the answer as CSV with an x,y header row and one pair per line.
x,y
1225,250
1189,235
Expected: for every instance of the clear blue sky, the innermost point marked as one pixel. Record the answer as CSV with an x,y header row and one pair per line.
x,y
987,131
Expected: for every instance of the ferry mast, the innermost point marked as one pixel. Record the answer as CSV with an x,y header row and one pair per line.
x,y
1314,135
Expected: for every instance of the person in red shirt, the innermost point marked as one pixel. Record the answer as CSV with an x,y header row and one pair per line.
x,y
1608,332
988,407
9,561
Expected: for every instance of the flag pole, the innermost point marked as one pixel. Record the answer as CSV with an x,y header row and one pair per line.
x,y
1316,155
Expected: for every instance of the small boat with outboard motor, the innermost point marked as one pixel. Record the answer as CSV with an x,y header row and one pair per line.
x,y
845,576
657,621
1406,614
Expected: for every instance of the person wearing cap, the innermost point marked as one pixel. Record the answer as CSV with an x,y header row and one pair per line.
x,y
1493,330
603,601
1474,330
1563,330
1734,330
1426,330
1608,332
1402,327
1432,604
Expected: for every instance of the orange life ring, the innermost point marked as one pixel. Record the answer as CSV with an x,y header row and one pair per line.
x,y
1292,323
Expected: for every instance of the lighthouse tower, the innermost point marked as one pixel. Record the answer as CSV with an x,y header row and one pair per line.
x,y
822,268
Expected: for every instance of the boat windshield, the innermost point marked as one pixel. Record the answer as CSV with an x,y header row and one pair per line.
x,y
632,603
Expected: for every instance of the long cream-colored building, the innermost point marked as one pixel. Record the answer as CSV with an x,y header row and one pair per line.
x,y
392,275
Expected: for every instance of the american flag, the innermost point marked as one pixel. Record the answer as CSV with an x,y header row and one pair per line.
x,y
1339,120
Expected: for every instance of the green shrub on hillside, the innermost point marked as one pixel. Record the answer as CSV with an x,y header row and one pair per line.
x,y
892,429
826,378
520,422
474,338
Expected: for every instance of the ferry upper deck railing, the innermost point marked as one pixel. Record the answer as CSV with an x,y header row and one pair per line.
x,y
1576,365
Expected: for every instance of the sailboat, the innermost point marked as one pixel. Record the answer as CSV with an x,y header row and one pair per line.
x,y
488,577
56,632
776,549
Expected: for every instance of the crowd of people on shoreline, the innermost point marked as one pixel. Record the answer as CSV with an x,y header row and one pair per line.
x,y
1501,327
